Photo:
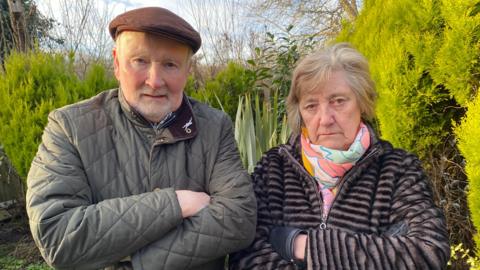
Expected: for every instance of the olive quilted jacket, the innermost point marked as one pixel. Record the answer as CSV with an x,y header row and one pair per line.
x,y
102,188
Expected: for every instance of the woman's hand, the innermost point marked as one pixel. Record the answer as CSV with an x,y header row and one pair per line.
x,y
289,243
300,246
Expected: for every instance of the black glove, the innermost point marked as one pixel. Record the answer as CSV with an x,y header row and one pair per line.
x,y
282,240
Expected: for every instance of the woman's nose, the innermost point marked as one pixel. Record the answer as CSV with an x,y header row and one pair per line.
x,y
325,116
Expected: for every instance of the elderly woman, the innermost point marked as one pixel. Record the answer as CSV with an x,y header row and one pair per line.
x,y
336,196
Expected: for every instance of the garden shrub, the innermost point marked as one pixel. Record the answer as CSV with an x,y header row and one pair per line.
x,y
468,134
424,58
32,85
462,258
257,128
273,63
223,90
401,40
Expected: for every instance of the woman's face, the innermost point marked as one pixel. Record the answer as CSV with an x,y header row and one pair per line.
x,y
331,113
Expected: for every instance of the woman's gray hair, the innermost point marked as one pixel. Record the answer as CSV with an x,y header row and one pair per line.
x,y
317,67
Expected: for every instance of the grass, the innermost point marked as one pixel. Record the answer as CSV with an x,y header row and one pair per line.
x,y
17,249
12,263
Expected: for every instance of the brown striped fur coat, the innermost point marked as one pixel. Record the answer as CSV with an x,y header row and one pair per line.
x,y
382,218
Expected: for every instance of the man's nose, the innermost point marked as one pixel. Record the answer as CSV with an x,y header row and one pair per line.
x,y
155,76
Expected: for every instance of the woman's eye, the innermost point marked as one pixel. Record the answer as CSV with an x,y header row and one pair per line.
x,y
310,107
338,101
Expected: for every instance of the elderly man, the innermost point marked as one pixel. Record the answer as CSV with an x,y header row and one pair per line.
x,y
142,176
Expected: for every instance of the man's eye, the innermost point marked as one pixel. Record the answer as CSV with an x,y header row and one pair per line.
x,y
139,61
171,65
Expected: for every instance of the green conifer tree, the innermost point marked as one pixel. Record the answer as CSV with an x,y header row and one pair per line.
x,y
424,57
31,86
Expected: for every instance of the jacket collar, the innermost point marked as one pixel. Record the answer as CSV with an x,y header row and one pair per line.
x,y
183,126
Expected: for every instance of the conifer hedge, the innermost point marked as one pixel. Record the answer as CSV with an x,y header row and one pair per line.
x,y
401,40
32,85
424,57
469,143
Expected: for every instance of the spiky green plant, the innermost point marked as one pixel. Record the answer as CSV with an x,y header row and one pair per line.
x,y
258,128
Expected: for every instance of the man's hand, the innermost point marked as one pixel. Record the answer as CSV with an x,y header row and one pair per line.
x,y
192,202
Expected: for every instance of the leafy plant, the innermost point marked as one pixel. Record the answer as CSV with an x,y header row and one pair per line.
x,y
274,62
223,90
257,128
459,254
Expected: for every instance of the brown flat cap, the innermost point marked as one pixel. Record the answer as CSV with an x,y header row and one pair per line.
x,y
159,21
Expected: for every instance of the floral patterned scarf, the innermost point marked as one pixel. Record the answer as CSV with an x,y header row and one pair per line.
x,y
328,166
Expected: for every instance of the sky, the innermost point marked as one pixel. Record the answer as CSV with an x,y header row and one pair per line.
x,y
120,6
125,5
52,9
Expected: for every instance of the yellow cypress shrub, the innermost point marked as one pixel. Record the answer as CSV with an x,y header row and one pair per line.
x,y
468,134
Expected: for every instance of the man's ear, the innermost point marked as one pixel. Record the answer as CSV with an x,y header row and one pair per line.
x,y
116,64
190,66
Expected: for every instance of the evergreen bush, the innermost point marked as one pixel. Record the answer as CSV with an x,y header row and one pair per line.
x,y
401,39
468,134
223,90
424,58
31,86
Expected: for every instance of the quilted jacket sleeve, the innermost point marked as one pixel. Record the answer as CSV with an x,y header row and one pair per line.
x,y
417,238
71,231
226,225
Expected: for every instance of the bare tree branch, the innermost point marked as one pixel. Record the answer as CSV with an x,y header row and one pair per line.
x,y
226,34
82,25
311,17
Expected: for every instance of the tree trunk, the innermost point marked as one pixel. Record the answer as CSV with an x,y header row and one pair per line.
x,y
17,20
350,7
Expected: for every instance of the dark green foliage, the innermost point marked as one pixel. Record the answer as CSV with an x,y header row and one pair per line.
x,y
274,62
224,89
31,86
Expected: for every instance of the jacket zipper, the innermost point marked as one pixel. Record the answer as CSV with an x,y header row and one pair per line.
x,y
345,177
323,225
